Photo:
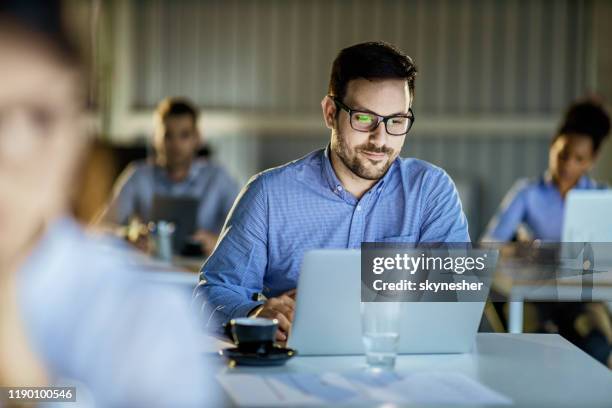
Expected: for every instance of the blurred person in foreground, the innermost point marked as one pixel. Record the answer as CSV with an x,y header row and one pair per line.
x,y
175,172
534,210
355,189
74,309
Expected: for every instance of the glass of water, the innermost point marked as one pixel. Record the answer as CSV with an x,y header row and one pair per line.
x,y
380,329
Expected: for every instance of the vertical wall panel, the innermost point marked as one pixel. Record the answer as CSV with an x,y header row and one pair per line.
x,y
486,55
511,57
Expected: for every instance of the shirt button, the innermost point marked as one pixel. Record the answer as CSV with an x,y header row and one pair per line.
x,y
358,208
339,188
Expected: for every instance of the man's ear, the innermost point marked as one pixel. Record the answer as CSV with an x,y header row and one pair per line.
x,y
329,111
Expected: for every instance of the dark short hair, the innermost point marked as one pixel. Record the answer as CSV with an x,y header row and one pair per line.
x,y
177,106
370,60
586,117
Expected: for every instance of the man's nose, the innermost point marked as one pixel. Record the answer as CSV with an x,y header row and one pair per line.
x,y
172,142
379,135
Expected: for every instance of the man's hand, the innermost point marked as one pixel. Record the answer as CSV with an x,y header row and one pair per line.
x,y
207,240
137,233
280,308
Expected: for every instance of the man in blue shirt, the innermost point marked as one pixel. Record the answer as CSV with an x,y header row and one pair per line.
x,y
175,172
356,189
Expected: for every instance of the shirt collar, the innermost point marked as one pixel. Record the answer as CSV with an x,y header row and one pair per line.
x,y
584,182
329,175
194,170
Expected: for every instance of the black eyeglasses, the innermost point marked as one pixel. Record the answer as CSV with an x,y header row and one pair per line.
x,y
363,121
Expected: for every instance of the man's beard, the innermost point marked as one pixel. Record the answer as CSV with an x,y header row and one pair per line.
x,y
359,165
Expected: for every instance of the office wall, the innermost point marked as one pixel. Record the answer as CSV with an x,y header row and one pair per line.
x,y
494,77
476,56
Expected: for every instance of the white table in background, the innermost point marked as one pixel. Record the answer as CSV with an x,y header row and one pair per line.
x,y
565,290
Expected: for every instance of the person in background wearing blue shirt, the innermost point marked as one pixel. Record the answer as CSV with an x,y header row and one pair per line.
x,y
175,172
537,205
74,310
356,189
533,210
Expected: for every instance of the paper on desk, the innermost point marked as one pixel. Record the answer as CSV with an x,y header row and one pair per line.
x,y
446,388
357,387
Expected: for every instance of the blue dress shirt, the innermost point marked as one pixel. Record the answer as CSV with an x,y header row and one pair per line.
x,y
536,204
285,211
140,182
94,322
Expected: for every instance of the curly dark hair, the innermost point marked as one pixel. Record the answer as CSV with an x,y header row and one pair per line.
x,y
586,117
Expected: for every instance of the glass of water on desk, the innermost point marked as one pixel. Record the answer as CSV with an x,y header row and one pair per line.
x,y
380,329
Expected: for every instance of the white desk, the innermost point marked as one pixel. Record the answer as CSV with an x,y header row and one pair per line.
x,y
534,370
568,293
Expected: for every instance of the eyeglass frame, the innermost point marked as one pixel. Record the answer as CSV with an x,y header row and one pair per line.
x,y
380,118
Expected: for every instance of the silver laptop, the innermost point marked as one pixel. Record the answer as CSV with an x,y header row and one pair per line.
x,y
327,318
587,222
588,216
